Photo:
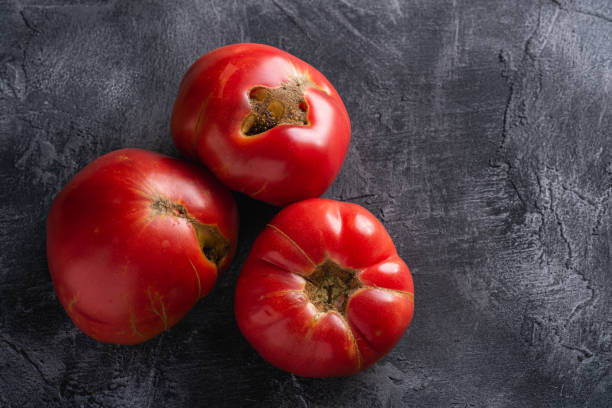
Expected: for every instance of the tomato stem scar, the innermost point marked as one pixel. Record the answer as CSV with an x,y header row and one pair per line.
x,y
330,286
283,105
213,244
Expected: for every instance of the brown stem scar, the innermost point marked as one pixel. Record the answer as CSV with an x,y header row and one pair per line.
x,y
270,107
330,286
213,244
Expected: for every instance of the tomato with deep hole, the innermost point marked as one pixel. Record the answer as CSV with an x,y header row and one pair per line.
x,y
134,240
264,122
323,292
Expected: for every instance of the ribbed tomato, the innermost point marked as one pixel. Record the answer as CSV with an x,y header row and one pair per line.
x,y
323,292
264,122
134,240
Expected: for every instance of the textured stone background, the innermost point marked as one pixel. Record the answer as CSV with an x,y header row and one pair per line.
x,y
482,136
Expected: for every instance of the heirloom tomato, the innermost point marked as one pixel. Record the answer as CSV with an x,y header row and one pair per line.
x,y
264,122
323,292
134,240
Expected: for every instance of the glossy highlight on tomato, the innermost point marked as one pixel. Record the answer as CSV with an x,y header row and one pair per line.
x,y
323,291
134,240
264,122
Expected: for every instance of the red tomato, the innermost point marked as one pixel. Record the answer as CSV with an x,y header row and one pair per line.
x,y
323,292
265,122
134,240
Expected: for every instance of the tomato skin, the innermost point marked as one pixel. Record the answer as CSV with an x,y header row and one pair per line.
x,y
279,320
123,270
285,164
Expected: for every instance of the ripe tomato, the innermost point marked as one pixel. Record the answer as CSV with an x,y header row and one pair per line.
x,y
264,122
323,292
134,240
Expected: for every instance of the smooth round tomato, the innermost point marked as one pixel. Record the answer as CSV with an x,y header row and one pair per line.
x,y
264,122
134,240
323,292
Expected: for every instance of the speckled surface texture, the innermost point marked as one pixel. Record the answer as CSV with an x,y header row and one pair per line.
x,y
482,137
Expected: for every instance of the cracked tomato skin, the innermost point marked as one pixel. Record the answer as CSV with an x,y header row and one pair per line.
x,y
124,269
276,315
286,163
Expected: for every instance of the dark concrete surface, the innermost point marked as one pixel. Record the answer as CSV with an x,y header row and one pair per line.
x,y
482,136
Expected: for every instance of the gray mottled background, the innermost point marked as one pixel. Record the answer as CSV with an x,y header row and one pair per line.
x,y
482,136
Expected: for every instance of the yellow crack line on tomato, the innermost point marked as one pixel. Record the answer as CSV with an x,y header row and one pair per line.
x,y
280,293
162,315
364,338
394,291
349,330
197,274
133,324
284,269
281,267
313,325
292,242
74,299
261,189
